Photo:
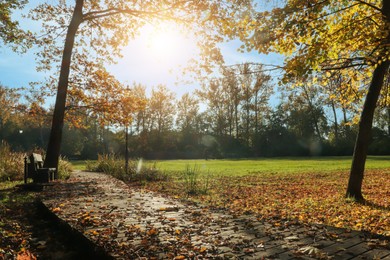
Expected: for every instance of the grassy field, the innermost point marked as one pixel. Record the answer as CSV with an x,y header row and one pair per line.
x,y
242,167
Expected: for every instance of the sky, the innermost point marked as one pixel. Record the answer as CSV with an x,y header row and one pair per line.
x,y
155,57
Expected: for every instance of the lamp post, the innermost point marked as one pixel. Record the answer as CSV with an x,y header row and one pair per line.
x,y
127,149
127,135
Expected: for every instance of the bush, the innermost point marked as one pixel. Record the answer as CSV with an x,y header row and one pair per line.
x,y
140,173
11,164
108,163
115,166
64,169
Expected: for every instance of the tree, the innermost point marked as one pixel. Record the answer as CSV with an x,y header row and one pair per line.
x,y
187,112
161,109
256,92
218,102
104,26
187,121
10,31
9,100
331,35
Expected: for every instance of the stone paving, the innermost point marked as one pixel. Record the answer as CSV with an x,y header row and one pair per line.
x,y
135,224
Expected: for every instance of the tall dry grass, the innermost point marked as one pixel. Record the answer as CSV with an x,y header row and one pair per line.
x,y
11,164
115,166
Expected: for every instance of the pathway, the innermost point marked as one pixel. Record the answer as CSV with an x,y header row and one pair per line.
x,y
134,224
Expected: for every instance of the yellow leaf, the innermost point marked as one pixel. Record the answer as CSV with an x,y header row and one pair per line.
x,y
202,249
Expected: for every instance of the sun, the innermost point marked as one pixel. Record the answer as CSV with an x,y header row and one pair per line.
x,y
160,54
166,43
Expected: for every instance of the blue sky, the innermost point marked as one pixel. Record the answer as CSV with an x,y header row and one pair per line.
x,y
141,63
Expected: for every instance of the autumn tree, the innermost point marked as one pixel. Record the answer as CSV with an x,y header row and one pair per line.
x,y
10,32
256,91
187,112
187,122
230,97
328,36
9,100
216,98
96,30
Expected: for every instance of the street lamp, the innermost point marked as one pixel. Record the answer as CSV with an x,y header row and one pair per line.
x,y
127,150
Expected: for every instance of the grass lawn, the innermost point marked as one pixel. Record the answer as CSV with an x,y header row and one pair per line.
x,y
309,190
79,165
242,167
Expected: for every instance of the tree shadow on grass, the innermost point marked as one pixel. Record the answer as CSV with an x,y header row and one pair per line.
x,y
375,205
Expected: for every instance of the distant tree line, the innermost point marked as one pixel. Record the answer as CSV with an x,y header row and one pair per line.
x,y
232,116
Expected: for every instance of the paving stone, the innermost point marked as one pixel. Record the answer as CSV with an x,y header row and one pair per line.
x,y
334,248
288,255
352,252
373,254
324,243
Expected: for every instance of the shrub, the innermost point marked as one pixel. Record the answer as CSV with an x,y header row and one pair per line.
x,y
115,166
107,163
11,164
140,173
64,169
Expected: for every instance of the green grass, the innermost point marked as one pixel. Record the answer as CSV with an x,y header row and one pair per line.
x,y
243,167
79,165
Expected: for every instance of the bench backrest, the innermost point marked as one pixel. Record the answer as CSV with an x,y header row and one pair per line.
x,y
36,162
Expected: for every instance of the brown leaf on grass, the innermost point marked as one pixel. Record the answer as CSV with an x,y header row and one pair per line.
x,y
314,198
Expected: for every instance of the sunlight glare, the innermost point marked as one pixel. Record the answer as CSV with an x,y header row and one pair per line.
x,y
168,45
159,53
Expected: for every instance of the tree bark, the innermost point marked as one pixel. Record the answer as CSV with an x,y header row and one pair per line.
x,y
388,121
355,182
336,126
54,145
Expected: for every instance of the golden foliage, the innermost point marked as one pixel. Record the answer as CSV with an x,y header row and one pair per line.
x,y
322,37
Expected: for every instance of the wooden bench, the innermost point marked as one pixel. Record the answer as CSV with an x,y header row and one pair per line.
x,y
33,168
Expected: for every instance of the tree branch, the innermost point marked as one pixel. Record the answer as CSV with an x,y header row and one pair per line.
x,y
113,11
370,5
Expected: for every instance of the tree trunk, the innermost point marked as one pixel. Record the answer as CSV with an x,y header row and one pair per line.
x,y
256,114
127,149
355,182
388,121
336,126
54,145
